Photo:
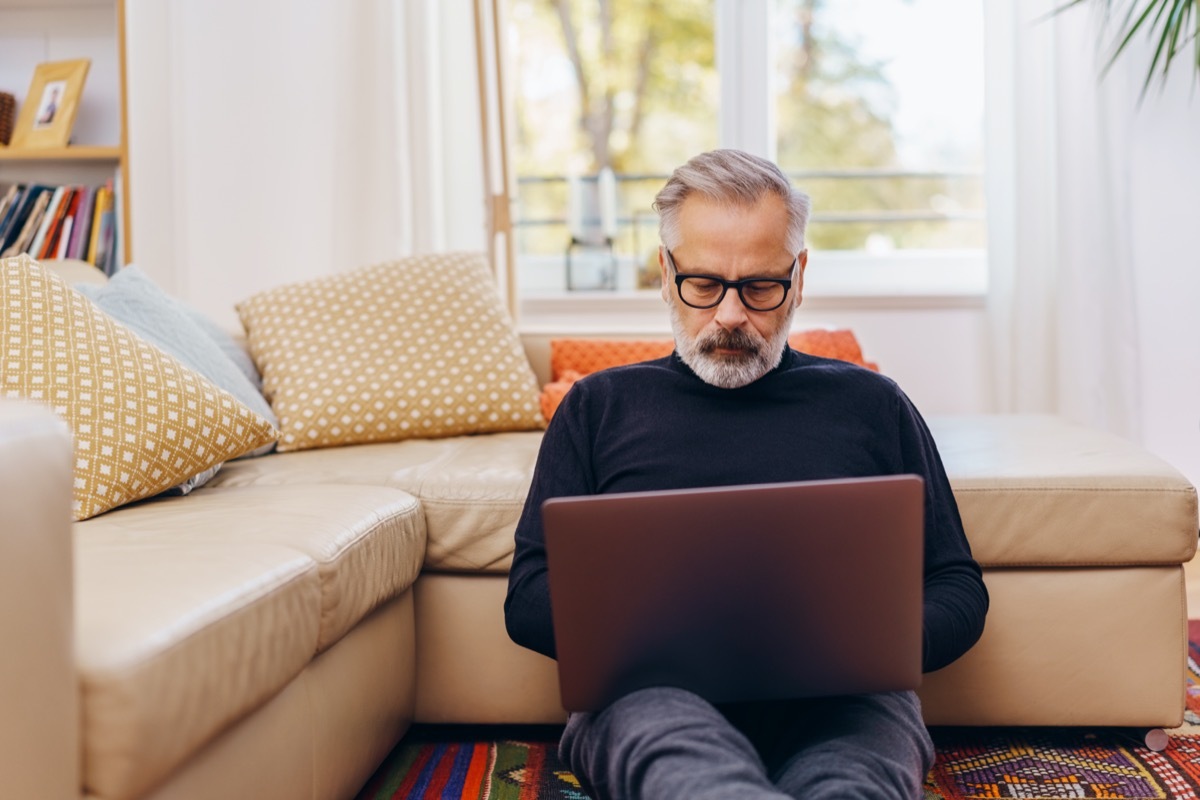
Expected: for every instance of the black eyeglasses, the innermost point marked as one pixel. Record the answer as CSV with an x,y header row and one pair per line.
x,y
707,291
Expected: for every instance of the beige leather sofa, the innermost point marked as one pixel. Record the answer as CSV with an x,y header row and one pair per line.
x,y
273,634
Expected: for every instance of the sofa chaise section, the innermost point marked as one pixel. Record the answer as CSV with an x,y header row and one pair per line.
x,y
1082,536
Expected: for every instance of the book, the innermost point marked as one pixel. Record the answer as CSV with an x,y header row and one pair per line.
x,y
70,201
81,229
8,219
105,256
9,200
47,221
21,215
64,238
24,237
59,243
102,204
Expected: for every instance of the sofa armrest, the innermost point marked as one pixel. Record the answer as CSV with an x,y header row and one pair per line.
x,y
39,689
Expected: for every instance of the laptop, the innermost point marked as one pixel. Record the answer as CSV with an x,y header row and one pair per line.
x,y
755,592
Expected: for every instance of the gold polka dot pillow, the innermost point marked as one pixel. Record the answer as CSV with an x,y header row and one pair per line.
x,y
415,348
141,421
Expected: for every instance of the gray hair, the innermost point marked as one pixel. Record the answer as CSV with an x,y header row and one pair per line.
x,y
734,177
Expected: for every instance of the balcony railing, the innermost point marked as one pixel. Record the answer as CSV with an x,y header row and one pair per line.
x,y
874,210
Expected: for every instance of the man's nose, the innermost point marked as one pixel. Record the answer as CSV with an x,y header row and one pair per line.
x,y
730,311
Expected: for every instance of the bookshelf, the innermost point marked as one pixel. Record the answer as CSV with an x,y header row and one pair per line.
x,y
37,31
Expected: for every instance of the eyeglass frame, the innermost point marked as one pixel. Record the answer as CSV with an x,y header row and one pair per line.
x,y
680,277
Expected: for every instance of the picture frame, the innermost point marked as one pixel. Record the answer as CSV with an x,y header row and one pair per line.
x,y
48,112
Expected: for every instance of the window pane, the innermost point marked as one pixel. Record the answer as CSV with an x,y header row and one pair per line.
x,y
880,118
628,85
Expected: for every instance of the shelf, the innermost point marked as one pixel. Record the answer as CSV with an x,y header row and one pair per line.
x,y
75,153
38,4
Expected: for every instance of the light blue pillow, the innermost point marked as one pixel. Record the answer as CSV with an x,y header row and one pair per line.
x,y
234,351
132,299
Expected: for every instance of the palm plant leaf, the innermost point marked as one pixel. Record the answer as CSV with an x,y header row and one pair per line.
x,y
1172,24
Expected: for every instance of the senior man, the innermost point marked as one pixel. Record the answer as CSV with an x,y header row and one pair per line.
x,y
735,405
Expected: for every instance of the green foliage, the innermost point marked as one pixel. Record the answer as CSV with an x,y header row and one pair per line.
x,y
644,80
834,113
642,98
1173,24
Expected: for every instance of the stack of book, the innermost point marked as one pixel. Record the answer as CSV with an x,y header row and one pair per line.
x,y
60,222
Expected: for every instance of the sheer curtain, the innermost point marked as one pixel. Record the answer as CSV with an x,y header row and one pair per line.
x,y
1061,304
452,169
441,180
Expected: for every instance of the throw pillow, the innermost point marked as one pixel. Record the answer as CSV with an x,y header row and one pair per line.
x,y
571,359
141,420
230,347
415,348
131,298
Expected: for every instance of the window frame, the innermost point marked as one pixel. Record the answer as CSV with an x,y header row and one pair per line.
x,y
834,279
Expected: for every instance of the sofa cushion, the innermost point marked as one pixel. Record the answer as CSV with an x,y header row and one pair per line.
x,y
471,488
1039,491
415,348
142,421
191,612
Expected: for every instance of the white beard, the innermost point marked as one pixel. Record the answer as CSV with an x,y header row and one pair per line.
x,y
758,355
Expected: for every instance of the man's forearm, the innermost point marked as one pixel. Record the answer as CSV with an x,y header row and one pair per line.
x,y
527,613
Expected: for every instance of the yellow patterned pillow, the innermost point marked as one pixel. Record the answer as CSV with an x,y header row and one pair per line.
x,y
415,348
142,422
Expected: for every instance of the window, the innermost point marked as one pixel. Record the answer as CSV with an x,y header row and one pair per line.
x,y
879,114
874,107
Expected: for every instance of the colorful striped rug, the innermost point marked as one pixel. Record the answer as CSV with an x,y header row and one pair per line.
x,y
451,763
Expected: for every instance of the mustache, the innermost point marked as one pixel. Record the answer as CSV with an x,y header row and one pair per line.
x,y
728,340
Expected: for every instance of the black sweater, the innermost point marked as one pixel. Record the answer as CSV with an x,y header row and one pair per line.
x,y
656,425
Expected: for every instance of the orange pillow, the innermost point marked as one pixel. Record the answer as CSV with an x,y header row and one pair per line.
x,y
553,392
839,343
571,359
586,356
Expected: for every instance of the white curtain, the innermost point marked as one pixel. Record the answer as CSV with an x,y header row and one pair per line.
x,y
1062,310
436,109
413,64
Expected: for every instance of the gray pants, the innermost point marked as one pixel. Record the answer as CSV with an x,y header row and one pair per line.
x,y
670,744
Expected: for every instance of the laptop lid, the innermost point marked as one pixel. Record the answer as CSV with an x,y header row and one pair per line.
x,y
753,592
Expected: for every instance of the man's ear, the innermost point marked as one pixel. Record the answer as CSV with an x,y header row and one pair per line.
x,y
662,269
802,260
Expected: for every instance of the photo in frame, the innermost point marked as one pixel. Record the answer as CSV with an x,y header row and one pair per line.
x,y
48,112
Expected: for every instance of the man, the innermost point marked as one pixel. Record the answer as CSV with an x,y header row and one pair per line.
x,y
734,405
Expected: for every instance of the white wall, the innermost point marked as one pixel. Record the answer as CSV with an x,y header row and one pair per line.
x,y
1164,219
936,353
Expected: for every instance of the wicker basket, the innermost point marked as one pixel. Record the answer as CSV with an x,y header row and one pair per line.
x,y
8,109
